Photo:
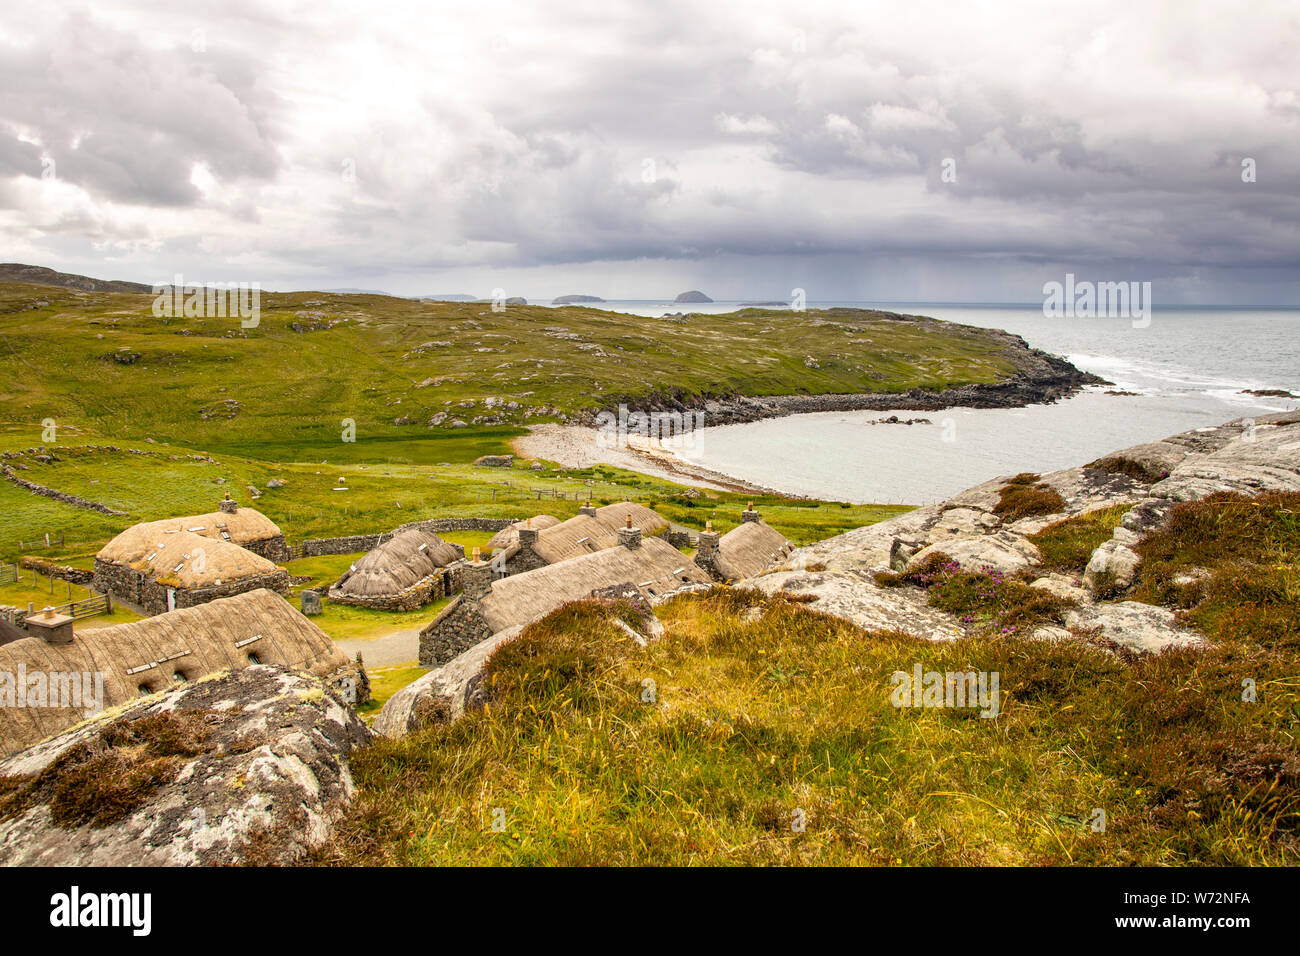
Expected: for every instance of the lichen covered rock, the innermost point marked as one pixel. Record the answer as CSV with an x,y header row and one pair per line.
x,y
249,766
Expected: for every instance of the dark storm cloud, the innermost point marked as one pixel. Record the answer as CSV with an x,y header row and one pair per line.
x,y
502,136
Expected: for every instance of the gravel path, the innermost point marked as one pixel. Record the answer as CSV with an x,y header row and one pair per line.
x,y
400,647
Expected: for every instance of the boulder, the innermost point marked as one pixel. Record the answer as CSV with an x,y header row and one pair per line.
x,y
1001,551
249,766
854,596
443,694
1113,566
1143,628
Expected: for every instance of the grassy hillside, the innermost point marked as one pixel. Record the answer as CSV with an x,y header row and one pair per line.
x,y
150,481
103,362
771,736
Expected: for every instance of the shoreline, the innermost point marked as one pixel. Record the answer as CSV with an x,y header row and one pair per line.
x,y
1040,379
576,446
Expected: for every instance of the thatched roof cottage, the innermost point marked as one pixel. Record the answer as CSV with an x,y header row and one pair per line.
x,y
486,606
405,572
747,550
246,527
49,683
182,562
508,537
590,530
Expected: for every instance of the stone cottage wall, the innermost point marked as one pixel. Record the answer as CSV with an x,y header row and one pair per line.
x,y
134,587
458,628
435,587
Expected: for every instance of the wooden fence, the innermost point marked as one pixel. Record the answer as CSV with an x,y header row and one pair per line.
x,y
86,607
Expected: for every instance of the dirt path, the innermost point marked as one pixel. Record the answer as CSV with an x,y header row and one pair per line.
x,y
400,647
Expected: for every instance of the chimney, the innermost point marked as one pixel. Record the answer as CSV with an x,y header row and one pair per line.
x,y
476,578
587,509
749,514
629,537
228,506
527,538
55,628
707,546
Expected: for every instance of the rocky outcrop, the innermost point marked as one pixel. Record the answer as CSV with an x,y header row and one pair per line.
x,y
1245,456
443,694
1038,378
248,766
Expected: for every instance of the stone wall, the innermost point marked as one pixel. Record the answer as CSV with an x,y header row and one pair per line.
x,y
134,587
458,628
351,544
59,495
273,549
277,580
62,572
435,587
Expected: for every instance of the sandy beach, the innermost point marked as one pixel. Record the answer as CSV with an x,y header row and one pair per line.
x,y
575,446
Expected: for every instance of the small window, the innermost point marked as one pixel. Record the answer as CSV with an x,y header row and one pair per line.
x,y
253,658
179,677
144,690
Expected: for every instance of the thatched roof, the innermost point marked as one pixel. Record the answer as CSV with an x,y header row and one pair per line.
x,y
507,538
183,559
585,534
401,561
194,642
749,549
10,632
241,527
655,567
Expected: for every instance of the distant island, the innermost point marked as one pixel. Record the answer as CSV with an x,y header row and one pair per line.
x,y
693,296
568,299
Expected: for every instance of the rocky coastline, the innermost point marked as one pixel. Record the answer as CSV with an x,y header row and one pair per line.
x,y
1039,379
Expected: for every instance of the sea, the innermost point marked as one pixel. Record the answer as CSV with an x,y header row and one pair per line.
x,y
1189,368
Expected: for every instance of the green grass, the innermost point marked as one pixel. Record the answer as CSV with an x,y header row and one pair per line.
x,y
39,595
1242,556
758,722
1067,545
292,390
985,600
385,682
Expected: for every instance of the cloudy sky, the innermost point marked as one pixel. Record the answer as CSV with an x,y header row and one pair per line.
x,y
882,151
